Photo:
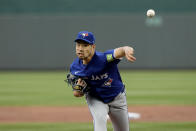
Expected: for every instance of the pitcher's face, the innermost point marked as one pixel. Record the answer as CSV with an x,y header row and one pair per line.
x,y
84,50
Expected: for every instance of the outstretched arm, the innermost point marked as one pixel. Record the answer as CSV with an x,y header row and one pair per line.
x,y
125,51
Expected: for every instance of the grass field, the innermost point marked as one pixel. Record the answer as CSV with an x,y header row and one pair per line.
x,y
23,88
89,127
47,88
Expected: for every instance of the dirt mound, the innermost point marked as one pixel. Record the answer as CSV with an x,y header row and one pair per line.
x,y
82,114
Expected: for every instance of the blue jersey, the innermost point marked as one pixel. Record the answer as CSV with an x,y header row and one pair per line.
x,y
101,74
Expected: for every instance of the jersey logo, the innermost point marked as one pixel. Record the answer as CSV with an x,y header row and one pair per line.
x,y
76,72
108,82
109,57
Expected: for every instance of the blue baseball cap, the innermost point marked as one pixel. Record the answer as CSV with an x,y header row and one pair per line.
x,y
86,36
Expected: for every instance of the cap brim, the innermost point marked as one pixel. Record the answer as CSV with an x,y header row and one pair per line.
x,y
83,40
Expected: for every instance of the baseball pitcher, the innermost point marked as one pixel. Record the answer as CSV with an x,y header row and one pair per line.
x,y
95,75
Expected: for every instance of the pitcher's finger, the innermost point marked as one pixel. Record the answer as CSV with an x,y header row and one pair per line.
x,y
79,81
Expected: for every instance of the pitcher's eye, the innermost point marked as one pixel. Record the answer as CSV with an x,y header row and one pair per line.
x,y
86,45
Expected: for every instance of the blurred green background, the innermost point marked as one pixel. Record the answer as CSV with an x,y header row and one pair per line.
x,y
89,127
39,34
147,87
154,87
36,49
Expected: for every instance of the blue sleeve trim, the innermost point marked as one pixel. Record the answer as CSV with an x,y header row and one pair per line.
x,y
110,56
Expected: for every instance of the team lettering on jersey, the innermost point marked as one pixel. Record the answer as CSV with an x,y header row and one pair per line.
x,y
99,77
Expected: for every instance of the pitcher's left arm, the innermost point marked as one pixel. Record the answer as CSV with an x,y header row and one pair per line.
x,y
125,51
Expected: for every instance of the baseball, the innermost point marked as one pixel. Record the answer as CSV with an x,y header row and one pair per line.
x,y
150,13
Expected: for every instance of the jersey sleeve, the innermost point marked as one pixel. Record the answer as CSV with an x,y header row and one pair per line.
x,y
109,57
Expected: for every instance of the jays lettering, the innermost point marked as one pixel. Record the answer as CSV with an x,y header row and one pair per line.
x,y
99,77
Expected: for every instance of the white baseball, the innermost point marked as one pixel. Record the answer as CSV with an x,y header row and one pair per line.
x,y
150,13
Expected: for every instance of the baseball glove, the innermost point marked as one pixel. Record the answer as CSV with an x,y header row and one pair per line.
x,y
73,81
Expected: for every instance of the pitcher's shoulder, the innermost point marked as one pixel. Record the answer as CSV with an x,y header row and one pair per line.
x,y
75,63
